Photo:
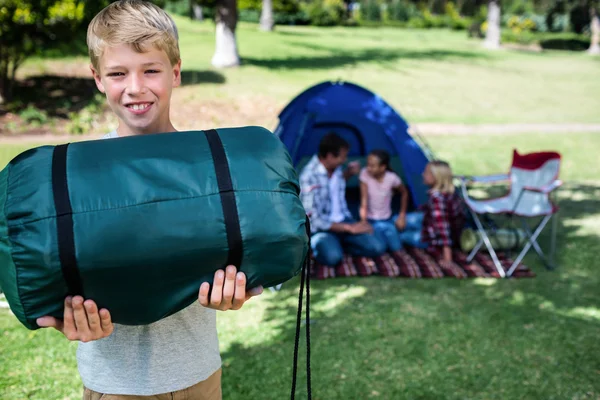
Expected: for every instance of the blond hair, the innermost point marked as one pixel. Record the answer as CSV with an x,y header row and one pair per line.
x,y
442,174
134,22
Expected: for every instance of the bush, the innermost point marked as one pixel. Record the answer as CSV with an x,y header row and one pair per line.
x,y
325,12
433,21
247,15
279,6
579,18
557,19
454,19
34,116
178,7
520,7
87,119
401,10
298,18
416,23
475,30
370,10
517,24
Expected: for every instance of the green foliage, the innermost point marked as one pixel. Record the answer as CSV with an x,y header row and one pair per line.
x,y
33,116
520,7
567,41
26,26
279,6
401,10
285,12
325,12
178,7
250,5
416,23
454,19
370,10
249,15
580,18
84,121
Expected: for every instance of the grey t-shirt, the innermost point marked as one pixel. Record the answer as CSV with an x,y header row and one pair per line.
x,y
169,355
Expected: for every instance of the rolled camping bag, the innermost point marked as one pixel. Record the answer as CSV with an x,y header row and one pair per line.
x,y
138,223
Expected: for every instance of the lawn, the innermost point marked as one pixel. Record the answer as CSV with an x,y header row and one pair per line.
x,y
401,339
427,75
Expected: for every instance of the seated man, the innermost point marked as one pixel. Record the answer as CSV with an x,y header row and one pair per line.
x,y
323,189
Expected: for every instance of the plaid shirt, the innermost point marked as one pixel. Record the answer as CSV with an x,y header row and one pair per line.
x,y
443,219
314,193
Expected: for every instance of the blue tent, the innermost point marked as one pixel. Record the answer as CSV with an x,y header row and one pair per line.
x,y
361,117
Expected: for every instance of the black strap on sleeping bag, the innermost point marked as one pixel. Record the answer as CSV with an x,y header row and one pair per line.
x,y
305,274
64,221
230,212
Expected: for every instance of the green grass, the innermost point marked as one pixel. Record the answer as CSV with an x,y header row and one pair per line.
x,y
396,339
427,75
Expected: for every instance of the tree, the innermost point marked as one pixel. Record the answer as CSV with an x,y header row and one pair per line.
x,y
226,16
26,26
267,22
595,30
492,35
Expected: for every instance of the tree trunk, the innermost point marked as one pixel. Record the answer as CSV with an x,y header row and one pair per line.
x,y
266,16
226,53
595,28
197,12
492,35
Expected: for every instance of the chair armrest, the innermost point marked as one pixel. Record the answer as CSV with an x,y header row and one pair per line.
x,y
484,178
545,189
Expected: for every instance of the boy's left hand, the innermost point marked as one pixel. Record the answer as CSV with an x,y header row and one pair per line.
x,y
229,290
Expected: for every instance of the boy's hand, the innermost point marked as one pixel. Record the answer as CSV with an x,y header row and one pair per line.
x,y
229,290
82,321
361,227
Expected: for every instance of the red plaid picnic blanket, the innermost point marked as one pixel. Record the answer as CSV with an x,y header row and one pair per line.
x,y
418,263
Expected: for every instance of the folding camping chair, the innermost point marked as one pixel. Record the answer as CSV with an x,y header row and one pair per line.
x,y
532,179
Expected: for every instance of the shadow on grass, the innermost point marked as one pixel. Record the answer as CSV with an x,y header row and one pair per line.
x,y
59,95
198,77
572,44
340,58
442,339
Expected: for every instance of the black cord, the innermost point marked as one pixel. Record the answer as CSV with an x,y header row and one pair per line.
x,y
308,384
297,340
305,275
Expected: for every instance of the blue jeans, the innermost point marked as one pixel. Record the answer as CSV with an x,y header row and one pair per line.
x,y
411,235
385,230
329,247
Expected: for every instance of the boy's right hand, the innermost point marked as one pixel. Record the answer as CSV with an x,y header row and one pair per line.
x,y
82,321
360,228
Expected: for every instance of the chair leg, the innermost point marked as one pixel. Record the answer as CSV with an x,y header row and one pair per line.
x,y
475,250
538,249
488,244
553,240
530,243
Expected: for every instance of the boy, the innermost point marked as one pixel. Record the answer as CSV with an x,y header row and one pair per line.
x,y
323,193
135,61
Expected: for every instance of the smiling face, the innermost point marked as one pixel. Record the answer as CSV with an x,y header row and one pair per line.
x,y
138,88
374,167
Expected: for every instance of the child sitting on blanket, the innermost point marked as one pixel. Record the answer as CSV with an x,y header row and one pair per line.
x,y
439,222
378,182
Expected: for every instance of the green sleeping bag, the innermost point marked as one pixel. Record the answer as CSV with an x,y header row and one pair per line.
x,y
137,224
